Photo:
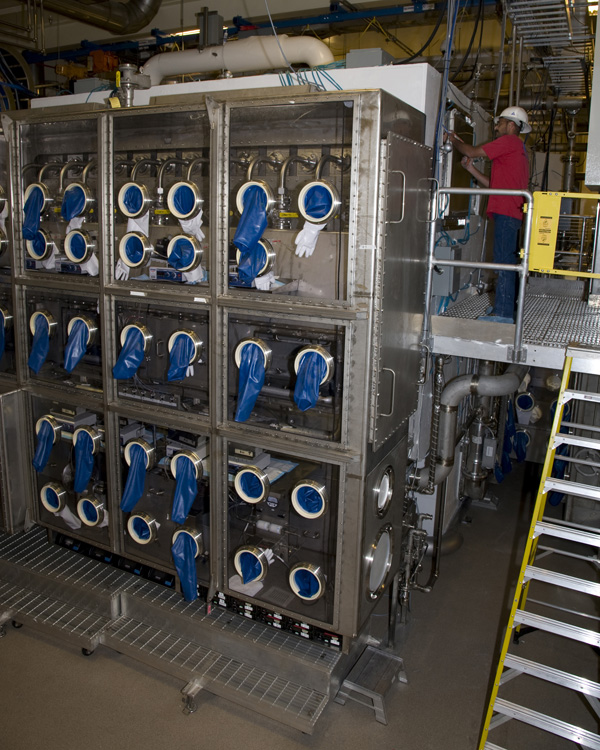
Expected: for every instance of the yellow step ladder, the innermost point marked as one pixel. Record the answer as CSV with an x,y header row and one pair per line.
x,y
573,545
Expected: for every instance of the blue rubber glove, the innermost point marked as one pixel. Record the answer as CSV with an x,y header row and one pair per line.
x,y
76,345
131,356
45,441
134,249
133,199
2,335
317,202
309,500
250,484
250,567
253,220
251,380
183,551
311,371
84,461
136,479
73,203
32,213
250,263
184,200
307,583
78,247
185,490
182,255
39,244
520,443
40,345
180,356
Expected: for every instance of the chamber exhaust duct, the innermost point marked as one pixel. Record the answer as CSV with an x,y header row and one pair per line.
x,y
114,16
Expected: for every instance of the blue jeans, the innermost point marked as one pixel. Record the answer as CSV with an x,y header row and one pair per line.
x,y
506,239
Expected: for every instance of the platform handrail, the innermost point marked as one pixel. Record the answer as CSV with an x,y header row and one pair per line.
x,y
520,268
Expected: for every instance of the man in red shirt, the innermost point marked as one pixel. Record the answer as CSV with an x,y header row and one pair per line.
x,y
510,171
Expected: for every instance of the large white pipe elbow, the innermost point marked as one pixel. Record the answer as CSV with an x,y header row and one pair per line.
x,y
243,56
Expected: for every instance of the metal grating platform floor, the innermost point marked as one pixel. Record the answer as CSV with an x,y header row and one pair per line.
x,y
551,322
268,694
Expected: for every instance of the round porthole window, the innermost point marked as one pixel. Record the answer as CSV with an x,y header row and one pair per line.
x,y
379,561
307,581
384,492
252,484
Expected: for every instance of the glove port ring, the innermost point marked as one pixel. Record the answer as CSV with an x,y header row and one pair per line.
x,y
48,246
135,242
323,353
196,536
90,324
149,452
270,256
49,320
196,247
195,339
189,192
239,199
83,239
90,510
142,200
193,457
137,327
264,484
53,497
259,556
266,350
333,195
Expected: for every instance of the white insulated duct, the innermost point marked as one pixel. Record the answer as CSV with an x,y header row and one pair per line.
x,y
243,56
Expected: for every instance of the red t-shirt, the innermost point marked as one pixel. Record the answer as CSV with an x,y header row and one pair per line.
x,y
510,171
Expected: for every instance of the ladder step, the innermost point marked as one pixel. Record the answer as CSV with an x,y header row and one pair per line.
x,y
572,488
581,396
565,532
560,579
548,723
550,674
573,632
491,746
562,438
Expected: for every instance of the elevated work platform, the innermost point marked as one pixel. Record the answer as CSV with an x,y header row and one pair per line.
x,y
552,321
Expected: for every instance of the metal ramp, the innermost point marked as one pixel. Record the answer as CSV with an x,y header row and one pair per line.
x,y
555,549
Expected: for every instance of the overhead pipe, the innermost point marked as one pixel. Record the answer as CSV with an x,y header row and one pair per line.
x,y
113,16
452,395
243,56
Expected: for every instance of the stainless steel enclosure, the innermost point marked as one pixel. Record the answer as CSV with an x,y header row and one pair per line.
x,y
284,393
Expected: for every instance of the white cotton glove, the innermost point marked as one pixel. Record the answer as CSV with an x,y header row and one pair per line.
x,y
192,226
75,223
306,240
3,215
269,555
121,271
103,522
189,373
69,518
141,224
91,266
194,276
265,282
50,263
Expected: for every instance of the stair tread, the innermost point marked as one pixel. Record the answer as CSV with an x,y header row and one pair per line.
x,y
563,438
572,488
562,580
548,723
565,532
299,706
557,627
581,395
551,674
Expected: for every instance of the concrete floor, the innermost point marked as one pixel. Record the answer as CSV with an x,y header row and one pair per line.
x,y
52,697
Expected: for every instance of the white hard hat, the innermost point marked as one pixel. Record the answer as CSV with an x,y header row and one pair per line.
x,y
518,115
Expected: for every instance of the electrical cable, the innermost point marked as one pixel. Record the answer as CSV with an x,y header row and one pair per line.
x,y
277,38
429,40
468,52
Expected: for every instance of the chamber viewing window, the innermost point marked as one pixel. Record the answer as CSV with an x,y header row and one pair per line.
x,y
379,561
384,492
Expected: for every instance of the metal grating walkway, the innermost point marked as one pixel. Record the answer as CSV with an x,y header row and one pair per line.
x,y
242,627
295,705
